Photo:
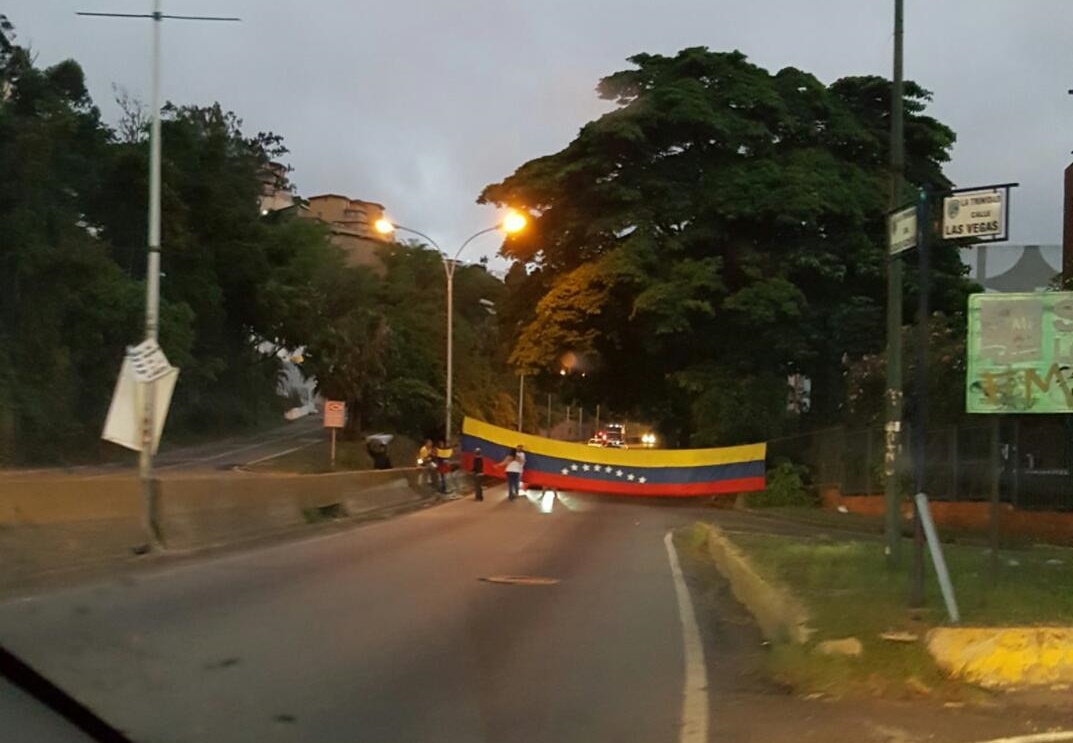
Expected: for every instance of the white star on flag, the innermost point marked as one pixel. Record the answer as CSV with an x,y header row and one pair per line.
x,y
585,467
608,468
573,467
641,480
618,474
566,471
630,477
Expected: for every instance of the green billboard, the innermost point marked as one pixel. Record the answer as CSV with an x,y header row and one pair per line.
x,y
1020,353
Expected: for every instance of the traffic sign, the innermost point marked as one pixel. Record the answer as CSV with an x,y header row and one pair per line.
x,y
334,414
147,361
975,214
902,229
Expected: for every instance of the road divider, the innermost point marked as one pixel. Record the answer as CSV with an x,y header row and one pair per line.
x,y
55,523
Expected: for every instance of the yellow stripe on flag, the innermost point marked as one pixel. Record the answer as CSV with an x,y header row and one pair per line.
x,y
610,455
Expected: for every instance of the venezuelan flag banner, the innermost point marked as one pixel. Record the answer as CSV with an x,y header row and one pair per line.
x,y
568,466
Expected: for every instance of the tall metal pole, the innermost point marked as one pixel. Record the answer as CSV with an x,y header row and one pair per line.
x,y
920,424
893,428
449,268
521,399
152,292
152,274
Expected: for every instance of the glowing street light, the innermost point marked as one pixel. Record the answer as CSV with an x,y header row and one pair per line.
x,y
512,222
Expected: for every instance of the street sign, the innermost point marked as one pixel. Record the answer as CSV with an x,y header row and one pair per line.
x,y
334,414
1020,353
975,214
123,424
902,230
147,361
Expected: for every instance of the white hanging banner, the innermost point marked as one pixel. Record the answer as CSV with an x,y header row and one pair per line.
x,y
123,425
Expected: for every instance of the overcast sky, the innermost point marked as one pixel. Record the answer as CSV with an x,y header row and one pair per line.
x,y
418,104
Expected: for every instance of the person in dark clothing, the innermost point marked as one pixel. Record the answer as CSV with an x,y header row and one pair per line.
x,y
378,453
478,475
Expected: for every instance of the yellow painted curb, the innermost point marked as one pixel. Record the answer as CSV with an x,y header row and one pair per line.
x,y
779,614
1000,657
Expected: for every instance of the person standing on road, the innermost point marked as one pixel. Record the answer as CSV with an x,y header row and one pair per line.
x,y
442,457
521,458
424,460
478,474
513,464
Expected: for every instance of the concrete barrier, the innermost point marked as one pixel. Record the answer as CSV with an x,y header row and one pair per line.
x,y
61,499
204,510
57,523
780,616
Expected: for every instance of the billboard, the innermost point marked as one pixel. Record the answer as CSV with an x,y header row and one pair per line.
x,y
1020,353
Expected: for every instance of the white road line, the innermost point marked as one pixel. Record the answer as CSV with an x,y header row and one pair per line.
x,y
1053,737
695,690
280,454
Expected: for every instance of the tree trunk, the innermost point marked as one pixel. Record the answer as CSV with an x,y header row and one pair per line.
x,y
353,421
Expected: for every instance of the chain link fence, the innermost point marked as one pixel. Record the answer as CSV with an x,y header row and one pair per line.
x,y
1032,462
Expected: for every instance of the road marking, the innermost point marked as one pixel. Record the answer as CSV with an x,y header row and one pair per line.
x,y
280,454
695,690
1053,737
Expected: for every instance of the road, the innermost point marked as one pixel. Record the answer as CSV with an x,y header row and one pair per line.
x,y
233,451
387,632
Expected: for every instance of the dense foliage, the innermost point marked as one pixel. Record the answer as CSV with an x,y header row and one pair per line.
x,y
72,281
721,229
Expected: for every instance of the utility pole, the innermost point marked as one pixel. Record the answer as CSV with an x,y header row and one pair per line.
x,y
521,399
549,415
920,422
152,275
893,396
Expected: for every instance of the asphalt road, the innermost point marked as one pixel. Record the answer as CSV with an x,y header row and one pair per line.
x,y
233,451
388,633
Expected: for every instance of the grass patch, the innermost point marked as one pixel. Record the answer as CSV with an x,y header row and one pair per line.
x,y
850,593
349,455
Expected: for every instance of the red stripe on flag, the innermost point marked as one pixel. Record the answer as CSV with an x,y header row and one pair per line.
x,y
682,490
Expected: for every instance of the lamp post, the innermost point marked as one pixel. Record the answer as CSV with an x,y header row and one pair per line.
x,y
511,223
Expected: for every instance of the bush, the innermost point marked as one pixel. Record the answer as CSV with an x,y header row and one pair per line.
x,y
787,485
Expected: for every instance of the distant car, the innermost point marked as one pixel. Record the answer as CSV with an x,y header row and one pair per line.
x,y
596,441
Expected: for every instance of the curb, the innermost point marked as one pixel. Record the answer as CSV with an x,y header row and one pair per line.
x,y
780,616
1003,657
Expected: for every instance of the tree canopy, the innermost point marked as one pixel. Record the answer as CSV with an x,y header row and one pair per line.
x,y
234,281
721,229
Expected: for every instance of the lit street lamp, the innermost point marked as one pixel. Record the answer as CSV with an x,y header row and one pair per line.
x,y
512,222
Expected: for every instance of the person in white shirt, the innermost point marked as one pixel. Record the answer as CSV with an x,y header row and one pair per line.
x,y
513,463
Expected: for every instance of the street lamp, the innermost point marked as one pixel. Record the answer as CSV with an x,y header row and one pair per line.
x,y
512,222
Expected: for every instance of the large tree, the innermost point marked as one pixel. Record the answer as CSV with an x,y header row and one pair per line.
x,y
65,308
240,277
721,229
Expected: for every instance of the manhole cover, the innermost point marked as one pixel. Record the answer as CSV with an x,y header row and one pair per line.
x,y
521,580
